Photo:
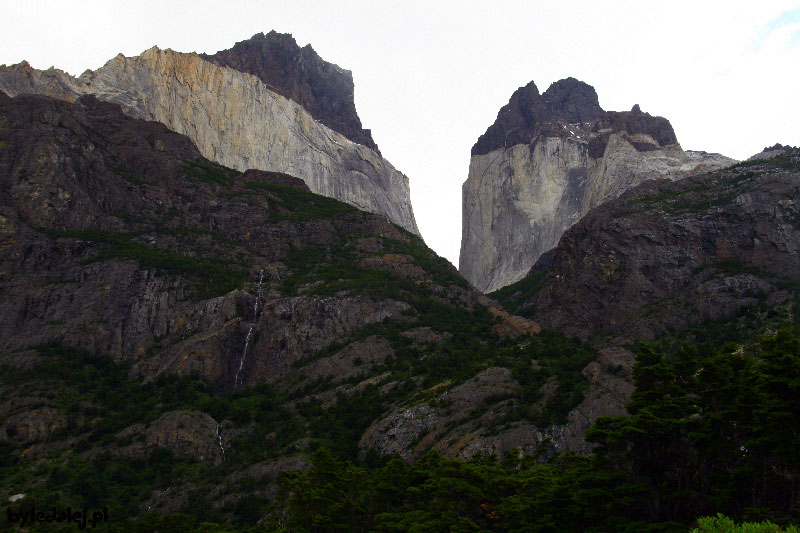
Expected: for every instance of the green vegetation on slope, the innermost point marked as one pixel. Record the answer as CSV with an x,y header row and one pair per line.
x,y
206,171
99,400
515,296
723,524
295,204
209,278
709,433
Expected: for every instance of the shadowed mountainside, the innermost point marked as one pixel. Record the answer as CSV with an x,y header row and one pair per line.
x,y
152,299
668,255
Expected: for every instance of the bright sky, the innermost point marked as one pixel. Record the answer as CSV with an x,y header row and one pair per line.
x,y
430,76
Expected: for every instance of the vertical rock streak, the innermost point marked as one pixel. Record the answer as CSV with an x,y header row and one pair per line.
x,y
219,440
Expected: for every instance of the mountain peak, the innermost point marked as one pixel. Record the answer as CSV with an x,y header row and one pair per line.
x,y
325,90
572,100
528,112
547,160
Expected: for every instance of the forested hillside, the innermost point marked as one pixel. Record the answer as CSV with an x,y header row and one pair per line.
x,y
188,347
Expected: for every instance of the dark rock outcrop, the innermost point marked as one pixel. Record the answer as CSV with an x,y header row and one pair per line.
x,y
631,122
778,147
667,255
572,101
456,425
323,89
529,114
409,431
772,151
184,433
33,425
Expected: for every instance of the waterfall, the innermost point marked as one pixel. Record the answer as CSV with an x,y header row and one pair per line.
x,y
237,381
219,439
159,494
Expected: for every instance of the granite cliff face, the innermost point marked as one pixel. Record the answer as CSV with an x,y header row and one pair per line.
x,y
243,120
321,88
544,163
668,255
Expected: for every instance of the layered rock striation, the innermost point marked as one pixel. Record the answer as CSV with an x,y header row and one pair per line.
x,y
238,119
545,162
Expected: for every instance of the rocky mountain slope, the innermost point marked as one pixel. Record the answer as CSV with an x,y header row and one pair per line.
x,y
151,299
545,162
668,255
122,239
175,334
286,111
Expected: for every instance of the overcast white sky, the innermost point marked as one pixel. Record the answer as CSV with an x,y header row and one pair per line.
x,y
431,76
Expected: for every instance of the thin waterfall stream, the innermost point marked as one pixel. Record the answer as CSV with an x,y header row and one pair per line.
x,y
237,381
219,440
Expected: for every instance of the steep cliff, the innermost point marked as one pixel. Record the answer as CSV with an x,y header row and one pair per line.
x,y
237,120
321,88
664,256
544,163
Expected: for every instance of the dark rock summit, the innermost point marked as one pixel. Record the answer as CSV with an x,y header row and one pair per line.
x,y
772,151
529,114
300,74
777,147
572,101
569,101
